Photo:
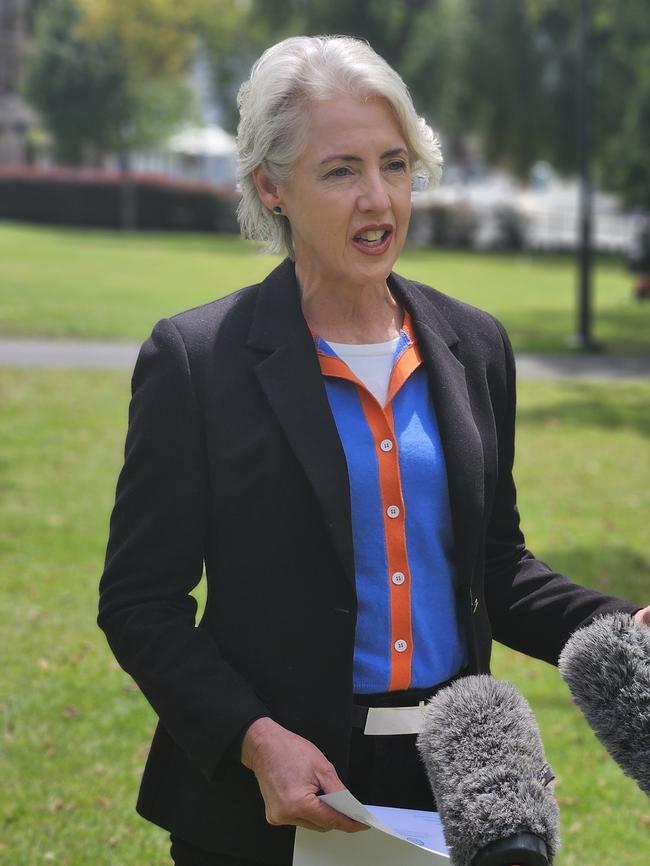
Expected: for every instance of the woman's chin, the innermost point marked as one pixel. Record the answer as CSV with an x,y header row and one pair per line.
x,y
377,264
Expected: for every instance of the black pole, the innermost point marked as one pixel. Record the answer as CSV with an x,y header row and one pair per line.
x,y
582,338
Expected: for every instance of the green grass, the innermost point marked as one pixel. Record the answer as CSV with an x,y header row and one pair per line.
x,y
100,284
75,731
583,472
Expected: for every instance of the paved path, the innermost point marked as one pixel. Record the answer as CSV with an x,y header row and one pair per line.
x,y
108,355
88,354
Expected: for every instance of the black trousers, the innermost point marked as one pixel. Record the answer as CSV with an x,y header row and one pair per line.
x,y
384,771
184,854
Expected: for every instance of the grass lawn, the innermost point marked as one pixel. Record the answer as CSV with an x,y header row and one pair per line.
x,y
74,728
74,283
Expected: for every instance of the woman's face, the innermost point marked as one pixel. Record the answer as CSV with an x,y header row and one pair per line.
x,y
349,195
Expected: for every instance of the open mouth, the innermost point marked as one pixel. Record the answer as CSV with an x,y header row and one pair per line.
x,y
375,238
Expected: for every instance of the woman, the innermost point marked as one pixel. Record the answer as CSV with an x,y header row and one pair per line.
x,y
336,445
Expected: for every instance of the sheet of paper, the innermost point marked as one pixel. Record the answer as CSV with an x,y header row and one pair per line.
x,y
405,836
344,801
417,827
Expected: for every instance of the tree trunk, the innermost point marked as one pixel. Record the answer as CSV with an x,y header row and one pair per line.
x,y
128,199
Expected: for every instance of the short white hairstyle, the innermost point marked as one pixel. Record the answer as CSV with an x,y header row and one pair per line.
x,y
273,104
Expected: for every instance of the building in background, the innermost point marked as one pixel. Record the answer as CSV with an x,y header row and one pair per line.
x,y
199,153
492,210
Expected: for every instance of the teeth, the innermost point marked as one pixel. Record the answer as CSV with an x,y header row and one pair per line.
x,y
374,235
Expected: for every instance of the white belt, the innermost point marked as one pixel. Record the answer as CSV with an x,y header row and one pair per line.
x,y
394,720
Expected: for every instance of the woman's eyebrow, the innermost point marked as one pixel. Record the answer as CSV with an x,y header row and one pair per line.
x,y
350,157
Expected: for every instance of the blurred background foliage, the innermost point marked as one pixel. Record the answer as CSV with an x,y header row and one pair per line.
x,y
111,75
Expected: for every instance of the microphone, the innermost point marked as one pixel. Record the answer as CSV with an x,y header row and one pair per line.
x,y
483,754
606,666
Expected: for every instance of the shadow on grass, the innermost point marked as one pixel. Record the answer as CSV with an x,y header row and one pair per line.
x,y
621,331
583,406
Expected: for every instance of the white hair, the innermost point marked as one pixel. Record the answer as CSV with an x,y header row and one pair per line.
x,y
273,105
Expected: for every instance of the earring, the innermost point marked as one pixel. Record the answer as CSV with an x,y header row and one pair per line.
x,y
277,209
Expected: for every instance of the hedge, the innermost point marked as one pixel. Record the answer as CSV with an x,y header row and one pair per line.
x,y
83,197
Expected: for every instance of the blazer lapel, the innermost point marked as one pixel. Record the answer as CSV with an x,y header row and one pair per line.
x,y
460,437
290,377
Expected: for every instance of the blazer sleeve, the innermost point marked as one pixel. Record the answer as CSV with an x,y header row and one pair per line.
x,y
154,558
531,608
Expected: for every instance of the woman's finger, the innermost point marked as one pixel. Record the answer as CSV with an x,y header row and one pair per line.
x,y
330,819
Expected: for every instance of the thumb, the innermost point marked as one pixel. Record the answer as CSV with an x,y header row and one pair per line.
x,y
328,780
330,818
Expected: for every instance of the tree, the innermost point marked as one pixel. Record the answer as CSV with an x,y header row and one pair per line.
x,y
519,73
157,37
622,98
504,70
87,92
93,100
79,87
391,28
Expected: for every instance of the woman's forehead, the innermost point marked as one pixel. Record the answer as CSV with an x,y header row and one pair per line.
x,y
348,122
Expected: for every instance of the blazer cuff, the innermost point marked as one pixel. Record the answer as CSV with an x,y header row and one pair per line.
x,y
233,752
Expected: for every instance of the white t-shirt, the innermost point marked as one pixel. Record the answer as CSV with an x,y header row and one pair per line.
x,y
370,362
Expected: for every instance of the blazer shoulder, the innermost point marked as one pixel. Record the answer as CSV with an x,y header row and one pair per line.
x,y
223,322
207,320
466,320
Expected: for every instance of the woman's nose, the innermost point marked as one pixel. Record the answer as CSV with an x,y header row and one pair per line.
x,y
374,195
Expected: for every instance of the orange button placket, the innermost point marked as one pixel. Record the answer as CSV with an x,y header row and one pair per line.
x,y
381,424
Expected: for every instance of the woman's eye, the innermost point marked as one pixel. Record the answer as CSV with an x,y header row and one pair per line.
x,y
396,165
342,171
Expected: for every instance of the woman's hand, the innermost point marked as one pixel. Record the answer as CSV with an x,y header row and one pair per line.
x,y
643,616
290,772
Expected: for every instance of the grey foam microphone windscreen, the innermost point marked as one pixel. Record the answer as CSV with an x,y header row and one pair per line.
x,y
606,666
484,757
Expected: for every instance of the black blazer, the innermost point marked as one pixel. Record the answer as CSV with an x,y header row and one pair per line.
x,y
232,458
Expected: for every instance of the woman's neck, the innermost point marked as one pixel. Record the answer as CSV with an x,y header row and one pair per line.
x,y
360,314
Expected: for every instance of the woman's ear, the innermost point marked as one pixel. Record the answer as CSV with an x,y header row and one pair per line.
x,y
266,189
